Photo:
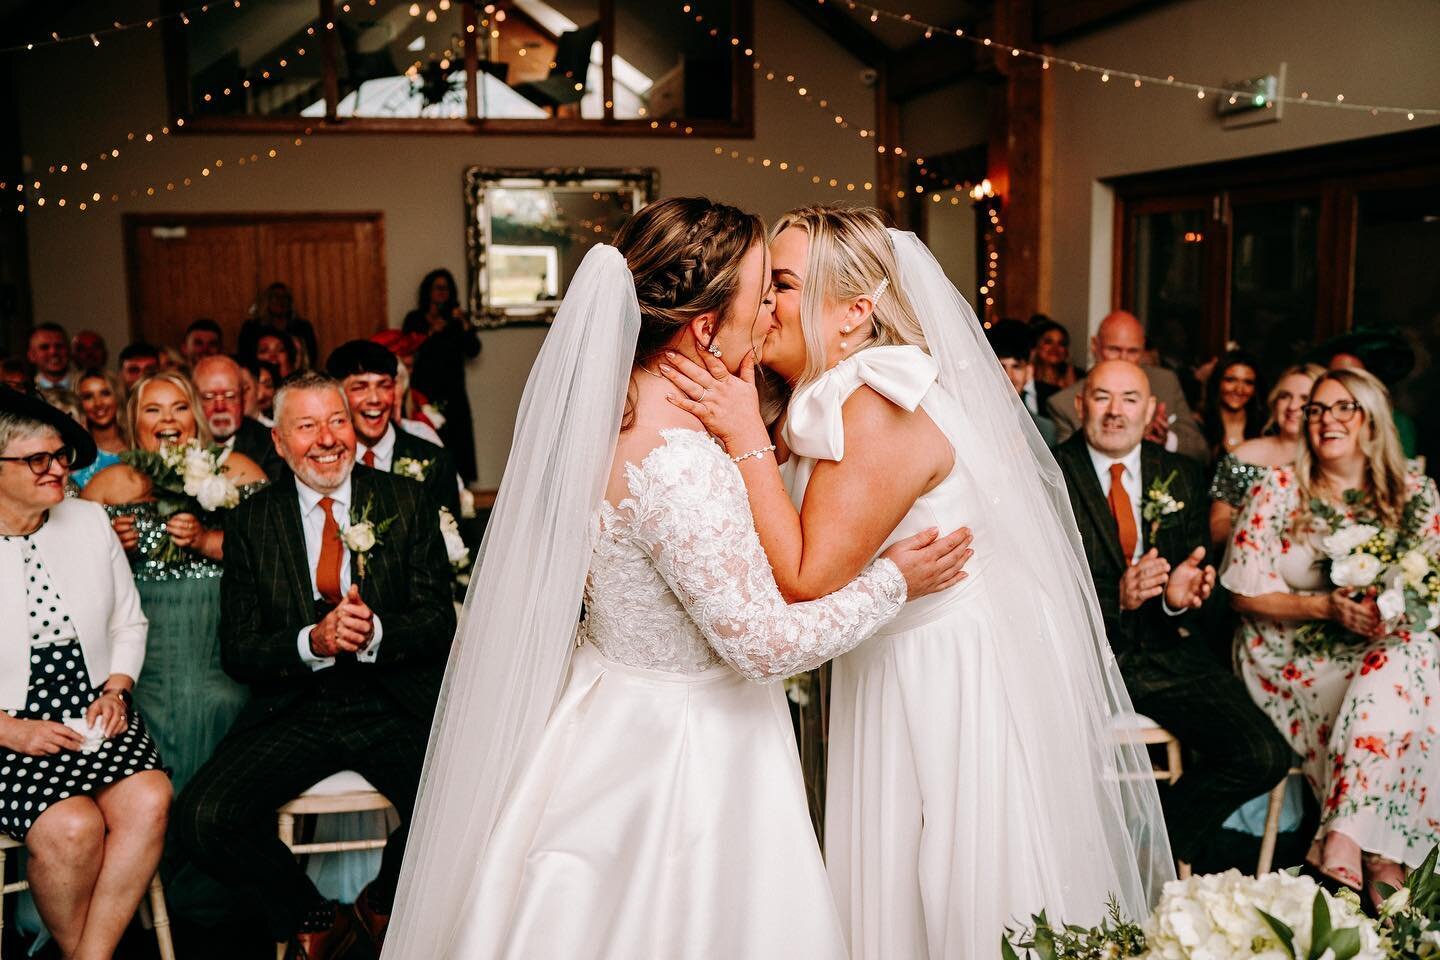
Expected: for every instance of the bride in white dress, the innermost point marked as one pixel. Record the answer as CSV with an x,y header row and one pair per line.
x,y
974,777
626,790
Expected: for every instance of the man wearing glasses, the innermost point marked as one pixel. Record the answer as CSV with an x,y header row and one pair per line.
x,y
217,380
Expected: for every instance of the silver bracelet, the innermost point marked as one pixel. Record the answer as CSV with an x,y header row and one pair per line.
x,y
753,453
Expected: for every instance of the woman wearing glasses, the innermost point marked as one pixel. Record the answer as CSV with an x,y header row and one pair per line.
x,y
80,778
1358,699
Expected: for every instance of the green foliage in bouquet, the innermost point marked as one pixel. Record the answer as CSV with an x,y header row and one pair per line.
x,y
1116,937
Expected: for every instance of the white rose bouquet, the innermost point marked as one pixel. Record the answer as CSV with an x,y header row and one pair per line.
x,y
185,478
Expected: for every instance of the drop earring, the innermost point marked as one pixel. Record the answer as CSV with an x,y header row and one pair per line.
x,y
714,351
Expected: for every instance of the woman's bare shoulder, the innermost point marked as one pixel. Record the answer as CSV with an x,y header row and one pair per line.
x,y
117,483
242,470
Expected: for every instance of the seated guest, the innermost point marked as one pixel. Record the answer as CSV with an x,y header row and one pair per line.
x,y
138,361
1239,471
88,351
203,338
1232,411
100,393
1122,337
260,379
366,372
275,347
48,351
1387,355
343,655
1010,339
17,375
1151,585
217,380
89,806
1358,699
1052,353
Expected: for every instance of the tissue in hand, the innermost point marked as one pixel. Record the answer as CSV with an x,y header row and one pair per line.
x,y
94,734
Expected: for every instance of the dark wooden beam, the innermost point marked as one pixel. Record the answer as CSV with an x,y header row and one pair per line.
x,y
853,38
1057,20
927,65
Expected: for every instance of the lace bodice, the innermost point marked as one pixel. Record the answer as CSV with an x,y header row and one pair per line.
x,y
679,582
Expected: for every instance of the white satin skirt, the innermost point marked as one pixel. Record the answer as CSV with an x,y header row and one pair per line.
x,y
663,816
933,839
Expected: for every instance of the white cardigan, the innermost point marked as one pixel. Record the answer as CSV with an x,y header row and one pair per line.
x,y
92,576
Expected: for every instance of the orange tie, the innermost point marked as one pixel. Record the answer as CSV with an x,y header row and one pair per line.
x,y
369,458
327,571
1120,509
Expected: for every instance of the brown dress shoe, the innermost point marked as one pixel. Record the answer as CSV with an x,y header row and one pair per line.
x,y
340,941
369,922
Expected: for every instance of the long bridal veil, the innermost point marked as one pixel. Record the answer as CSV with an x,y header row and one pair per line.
x,y
1101,807
512,648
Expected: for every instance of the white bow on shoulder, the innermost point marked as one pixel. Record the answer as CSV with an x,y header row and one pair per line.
x,y
815,427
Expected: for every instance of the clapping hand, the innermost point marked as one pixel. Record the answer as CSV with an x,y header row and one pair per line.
x,y
1144,580
346,629
1190,583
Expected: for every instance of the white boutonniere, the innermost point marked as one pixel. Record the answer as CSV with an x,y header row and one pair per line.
x,y
455,549
412,468
433,414
1160,505
361,535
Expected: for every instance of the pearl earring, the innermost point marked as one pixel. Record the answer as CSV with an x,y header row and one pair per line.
x,y
846,329
714,351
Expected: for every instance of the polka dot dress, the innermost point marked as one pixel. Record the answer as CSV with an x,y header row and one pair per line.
x,y
59,688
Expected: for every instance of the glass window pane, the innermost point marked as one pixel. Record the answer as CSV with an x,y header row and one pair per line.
x,y
668,67
263,53
1272,281
1169,284
541,59
1397,289
397,58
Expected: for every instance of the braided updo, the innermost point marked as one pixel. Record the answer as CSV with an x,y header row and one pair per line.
x,y
685,254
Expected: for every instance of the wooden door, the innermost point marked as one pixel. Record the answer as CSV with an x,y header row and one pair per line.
x,y
184,267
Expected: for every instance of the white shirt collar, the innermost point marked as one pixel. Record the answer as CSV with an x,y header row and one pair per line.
x,y
1102,461
310,497
384,449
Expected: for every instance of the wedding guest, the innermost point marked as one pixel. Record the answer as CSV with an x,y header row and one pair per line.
x,y
450,340
16,374
275,310
1146,555
88,351
89,806
1010,339
203,338
261,378
48,351
366,372
1052,353
137,361
100,393
275,347
1232,413
1121,336
1384,353
1356,696
343,653
218,383
173,360
1239,471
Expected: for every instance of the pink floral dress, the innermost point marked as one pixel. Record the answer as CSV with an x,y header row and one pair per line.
x,y
1365,719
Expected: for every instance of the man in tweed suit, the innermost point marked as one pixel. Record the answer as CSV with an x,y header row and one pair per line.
x,y
344,653
1151,581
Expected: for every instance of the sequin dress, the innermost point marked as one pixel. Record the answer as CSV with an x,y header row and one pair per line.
x,y
1235,480
59,689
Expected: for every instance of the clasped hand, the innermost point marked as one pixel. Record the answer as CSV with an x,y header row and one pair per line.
x,y
346,629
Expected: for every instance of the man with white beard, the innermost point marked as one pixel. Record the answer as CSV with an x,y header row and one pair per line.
x,y
217,381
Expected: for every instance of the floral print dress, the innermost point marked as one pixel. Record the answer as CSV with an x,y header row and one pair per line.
x,y
1365,718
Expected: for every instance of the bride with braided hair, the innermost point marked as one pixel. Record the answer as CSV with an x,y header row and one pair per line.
x,y
630,787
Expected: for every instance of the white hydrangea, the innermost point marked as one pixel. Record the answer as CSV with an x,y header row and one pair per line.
x,y
1217,917
1346,539
1356,570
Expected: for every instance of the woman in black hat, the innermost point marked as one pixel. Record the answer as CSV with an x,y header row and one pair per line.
x,y
80,779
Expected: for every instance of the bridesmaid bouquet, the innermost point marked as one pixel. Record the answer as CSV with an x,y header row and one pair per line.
x,y
1278,916
185,478
1389,567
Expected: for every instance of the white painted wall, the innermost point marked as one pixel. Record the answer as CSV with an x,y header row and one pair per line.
x,y
76,100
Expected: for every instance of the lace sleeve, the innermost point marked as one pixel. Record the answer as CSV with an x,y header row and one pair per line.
x,y
691,515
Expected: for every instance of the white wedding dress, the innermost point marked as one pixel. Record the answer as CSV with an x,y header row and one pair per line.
x,y
663,813
940,827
